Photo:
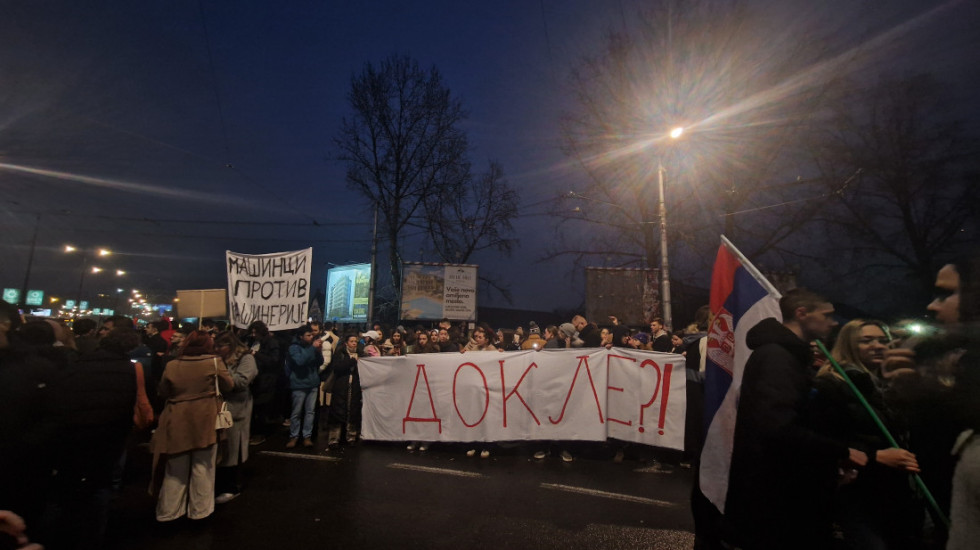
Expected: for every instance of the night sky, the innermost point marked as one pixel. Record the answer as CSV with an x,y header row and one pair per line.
x,y
172,131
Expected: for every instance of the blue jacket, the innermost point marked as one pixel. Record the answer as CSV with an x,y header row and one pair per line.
x,y
303,365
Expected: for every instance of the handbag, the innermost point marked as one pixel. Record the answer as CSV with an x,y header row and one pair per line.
x,y
224,419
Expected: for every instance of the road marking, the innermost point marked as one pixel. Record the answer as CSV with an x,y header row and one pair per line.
x,y
426,469
604,494
304,457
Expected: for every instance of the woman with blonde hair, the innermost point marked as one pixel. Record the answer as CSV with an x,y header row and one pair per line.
x,y
186,435
876,509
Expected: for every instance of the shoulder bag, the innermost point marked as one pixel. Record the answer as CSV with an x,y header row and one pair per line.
x,y
224,419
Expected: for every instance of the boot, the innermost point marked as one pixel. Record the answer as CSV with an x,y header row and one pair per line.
x,y
333,436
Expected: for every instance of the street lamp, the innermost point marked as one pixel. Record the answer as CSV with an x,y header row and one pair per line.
x,y
98,252
675,133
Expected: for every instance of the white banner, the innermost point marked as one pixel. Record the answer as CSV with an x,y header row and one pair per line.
x,y
273,288
573,394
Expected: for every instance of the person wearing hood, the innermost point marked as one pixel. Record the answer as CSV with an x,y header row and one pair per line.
x,y
783,473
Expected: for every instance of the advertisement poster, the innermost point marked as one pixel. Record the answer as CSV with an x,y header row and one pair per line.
x,y
348,293
432,292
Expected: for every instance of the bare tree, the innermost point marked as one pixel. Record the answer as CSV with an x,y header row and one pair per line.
x,y
915,203
473,216
402,143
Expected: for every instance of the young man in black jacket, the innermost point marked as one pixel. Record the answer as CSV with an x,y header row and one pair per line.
x,y
783,473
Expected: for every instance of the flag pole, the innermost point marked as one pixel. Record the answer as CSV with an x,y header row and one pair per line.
x,y
884,430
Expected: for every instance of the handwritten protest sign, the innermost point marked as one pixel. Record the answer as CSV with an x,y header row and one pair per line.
x,y
573,394
273,288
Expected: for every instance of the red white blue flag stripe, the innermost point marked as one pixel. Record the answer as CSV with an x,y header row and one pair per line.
x,y
740,298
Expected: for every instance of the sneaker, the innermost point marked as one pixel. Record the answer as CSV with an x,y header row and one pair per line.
x,y
307,442
411,447
225,498
256,440
285,423
471,452
566,456
540,455
291,443
484,454
423,447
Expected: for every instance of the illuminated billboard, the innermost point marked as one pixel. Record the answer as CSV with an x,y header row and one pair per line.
x,y
348,293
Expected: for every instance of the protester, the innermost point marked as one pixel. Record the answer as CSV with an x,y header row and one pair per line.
x,y
783,473
423,344
27,425
659,335
94,409
345,401
587,332
877,509
370,347
303,369
479,342
234,446
264,348
186,437
534,340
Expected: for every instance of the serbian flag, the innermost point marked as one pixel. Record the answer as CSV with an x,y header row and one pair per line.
x,y
740,298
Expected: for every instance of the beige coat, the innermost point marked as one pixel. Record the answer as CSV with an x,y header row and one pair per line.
x,y
187,421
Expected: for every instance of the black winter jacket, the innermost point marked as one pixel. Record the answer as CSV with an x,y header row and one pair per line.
x,y
783,473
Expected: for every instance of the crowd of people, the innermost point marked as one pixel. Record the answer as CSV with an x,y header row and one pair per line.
x,y
811,466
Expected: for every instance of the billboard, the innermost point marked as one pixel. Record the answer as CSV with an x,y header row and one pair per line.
x,y
632,295
438,291
348,293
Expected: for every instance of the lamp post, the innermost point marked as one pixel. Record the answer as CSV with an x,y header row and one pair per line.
x,y
100,252
675,133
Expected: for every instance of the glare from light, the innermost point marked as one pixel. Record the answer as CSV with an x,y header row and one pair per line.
x,y
104,252
915,328
96,269
676,132
69,248
120,272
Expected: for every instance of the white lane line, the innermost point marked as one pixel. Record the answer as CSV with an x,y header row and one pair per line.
x,y
301,456
428,470
604,494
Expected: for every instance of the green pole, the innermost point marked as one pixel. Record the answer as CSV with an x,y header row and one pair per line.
x,y
881,426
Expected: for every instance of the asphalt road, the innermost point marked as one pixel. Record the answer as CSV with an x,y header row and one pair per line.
x,y
378,495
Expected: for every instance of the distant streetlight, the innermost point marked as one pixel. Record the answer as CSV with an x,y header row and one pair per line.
x,y
96,252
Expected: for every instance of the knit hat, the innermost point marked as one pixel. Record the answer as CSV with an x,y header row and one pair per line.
x,y
533,327
372,334
643,337
567,330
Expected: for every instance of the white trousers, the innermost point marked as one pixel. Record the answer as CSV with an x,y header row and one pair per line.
x,y
188,485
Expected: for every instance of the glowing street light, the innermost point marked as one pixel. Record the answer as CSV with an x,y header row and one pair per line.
x,y
664,263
